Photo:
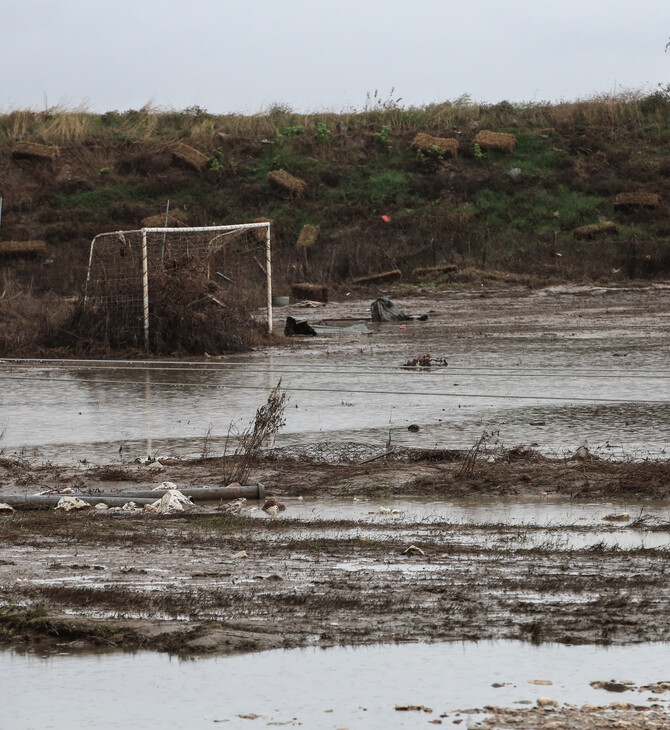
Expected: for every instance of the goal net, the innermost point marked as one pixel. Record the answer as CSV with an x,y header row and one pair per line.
x,y
123,265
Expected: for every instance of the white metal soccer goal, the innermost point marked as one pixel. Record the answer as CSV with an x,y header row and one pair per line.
x,y
121,264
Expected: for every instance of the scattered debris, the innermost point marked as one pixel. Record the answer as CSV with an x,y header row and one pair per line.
x,y
413,550
172,501
295,326
384,310
308,236
234,507
495,140
381,278
588,232
426,361
583,452
67,504
192,157
637,200
34,149
432,270
164,486
285,180
22,249
623,517
313,292
273,507
435,145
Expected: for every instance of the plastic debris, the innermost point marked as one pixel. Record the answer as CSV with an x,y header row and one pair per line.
x,y
413,550
67,504
101,507
4,507
234,507
172,501
583,452
165,485
241,554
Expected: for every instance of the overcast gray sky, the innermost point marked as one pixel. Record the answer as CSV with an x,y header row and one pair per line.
x,y
244,55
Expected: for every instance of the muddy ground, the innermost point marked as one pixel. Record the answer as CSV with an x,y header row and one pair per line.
x,y
174,582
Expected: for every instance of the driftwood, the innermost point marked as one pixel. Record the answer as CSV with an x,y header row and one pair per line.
x,y
381,278
429,270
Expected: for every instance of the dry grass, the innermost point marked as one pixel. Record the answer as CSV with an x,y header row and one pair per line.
x,y
267,423
28,323
495,140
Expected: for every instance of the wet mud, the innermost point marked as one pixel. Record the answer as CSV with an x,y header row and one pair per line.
x,y
207,581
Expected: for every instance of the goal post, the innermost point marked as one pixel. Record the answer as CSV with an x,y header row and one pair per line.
x,y
121,263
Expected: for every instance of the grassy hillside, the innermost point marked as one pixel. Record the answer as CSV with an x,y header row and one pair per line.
x,y
486,209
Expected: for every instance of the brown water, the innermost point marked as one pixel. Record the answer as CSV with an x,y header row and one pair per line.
x,y
339,687
549,369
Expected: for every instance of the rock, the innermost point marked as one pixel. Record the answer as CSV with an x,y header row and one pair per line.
x,y
241,554
4,507
155,466
545,702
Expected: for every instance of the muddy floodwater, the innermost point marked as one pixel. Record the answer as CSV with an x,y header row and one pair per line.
x,y
549,368
339,687
473,544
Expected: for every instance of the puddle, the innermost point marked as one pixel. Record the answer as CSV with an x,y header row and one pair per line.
x,y
338,687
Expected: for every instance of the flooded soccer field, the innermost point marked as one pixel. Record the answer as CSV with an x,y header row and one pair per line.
x,y
459,573
550,368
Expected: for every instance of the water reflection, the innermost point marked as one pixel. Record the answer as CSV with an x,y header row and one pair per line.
x,y
318,688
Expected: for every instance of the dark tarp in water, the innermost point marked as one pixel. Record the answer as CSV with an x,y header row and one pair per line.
x,y
296,326
384,310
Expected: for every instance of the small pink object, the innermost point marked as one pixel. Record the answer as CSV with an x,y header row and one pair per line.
x,y
386,219
403,327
